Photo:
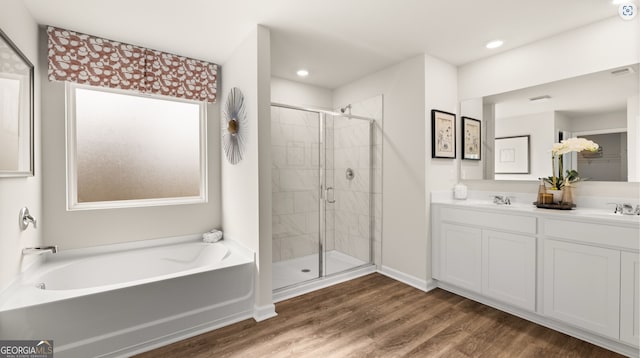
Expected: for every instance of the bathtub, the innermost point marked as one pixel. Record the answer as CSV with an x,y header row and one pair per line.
x,y
128,298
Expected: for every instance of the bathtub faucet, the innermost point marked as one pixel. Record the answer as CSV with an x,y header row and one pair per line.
x,y
40,250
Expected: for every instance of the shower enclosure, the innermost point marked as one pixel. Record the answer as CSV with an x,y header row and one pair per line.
x,y
322,202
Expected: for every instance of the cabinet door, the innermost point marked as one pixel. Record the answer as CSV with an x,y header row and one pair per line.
x,y
460,256
582,286
630,298
509,268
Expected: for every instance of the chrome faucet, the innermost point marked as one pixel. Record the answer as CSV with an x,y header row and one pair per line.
x,y
626,209
25,219
501,200
40,250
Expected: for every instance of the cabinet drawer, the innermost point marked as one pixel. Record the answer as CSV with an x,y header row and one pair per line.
x,y
491,220
624,237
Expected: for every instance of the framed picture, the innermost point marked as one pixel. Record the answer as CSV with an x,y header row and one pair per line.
x,y
443,134
471,139
512,155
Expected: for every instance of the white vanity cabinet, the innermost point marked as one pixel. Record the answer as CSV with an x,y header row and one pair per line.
x,y
475,254
582,286
630,298
578,271
461,251
509,268
583,277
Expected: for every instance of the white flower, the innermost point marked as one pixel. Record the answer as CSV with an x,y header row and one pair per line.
x,y
574,145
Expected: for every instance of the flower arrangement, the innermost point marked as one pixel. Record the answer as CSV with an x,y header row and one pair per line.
x,y
557,152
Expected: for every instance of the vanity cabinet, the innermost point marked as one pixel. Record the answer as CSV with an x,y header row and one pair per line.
x,y
461,261
582,286
509,268
575,271
630,298
496,264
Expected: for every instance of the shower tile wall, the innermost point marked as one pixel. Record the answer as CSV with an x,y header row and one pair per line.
x,y
352,207
352,148
295,150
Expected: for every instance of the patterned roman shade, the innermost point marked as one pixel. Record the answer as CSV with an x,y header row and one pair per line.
x,y
85,59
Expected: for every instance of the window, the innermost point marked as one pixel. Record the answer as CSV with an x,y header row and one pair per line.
x,y
126,149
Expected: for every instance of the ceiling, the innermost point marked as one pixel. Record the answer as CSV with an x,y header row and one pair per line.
x,y
581,96
338,41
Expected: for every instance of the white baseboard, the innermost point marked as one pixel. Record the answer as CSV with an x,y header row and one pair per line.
x,y
422,285
264,312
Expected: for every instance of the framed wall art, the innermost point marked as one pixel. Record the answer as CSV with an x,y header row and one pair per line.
x,y
512,155
471,139
443,134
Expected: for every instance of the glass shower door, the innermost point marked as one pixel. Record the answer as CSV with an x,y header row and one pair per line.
x,y
295,140
347,193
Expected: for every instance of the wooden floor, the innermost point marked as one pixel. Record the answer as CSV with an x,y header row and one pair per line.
x,y
375,316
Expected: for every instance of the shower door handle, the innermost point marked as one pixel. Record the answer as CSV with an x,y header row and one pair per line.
x,y
333,195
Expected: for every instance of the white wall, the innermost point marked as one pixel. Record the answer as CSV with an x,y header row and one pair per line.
x,y
21,28
246,200
596,47
77,229
541,128
300,94
403,205
610,120
440,174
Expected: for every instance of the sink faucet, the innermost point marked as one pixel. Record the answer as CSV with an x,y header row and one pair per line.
x,y
501,200
40,250
626,209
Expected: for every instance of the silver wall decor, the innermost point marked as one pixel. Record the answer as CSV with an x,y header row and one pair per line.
x,y
234,126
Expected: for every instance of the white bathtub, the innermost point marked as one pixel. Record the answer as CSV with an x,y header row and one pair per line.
x,y
122,299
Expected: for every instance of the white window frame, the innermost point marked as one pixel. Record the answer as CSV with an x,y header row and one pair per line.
x,y
71,154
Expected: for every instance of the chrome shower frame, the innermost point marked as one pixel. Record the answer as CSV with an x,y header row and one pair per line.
x,y
323,188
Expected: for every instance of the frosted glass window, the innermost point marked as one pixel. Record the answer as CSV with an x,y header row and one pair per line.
x,y
126,149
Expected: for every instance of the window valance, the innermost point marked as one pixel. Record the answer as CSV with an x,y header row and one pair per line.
x,y
85,59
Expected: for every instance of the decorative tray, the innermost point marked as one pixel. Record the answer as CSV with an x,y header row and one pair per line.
x,y
554,206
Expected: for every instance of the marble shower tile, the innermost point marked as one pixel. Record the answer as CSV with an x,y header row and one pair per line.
x,y
295,154
282,203
306,201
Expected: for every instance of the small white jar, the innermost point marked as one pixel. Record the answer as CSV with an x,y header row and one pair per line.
x,y
460,191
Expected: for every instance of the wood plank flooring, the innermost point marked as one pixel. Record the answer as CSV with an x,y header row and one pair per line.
x,y
375,316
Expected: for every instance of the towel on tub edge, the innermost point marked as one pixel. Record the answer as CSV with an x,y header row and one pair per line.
x,y
212,236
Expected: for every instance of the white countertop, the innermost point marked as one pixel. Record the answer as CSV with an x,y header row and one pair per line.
x,y
523,204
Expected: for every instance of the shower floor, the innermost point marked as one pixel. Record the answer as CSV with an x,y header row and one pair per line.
x,y
289,272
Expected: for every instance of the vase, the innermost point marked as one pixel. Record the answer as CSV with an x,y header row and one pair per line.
x,y
557,195
567,195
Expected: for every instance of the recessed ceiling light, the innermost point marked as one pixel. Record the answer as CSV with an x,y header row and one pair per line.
x,y
302,73
494,44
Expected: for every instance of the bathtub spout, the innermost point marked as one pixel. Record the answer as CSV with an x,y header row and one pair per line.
x,y
40,250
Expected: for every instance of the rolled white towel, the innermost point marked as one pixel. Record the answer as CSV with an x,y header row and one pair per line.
x,y
212,236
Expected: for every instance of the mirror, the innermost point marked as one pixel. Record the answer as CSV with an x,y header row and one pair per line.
x,y
602,106
16,111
